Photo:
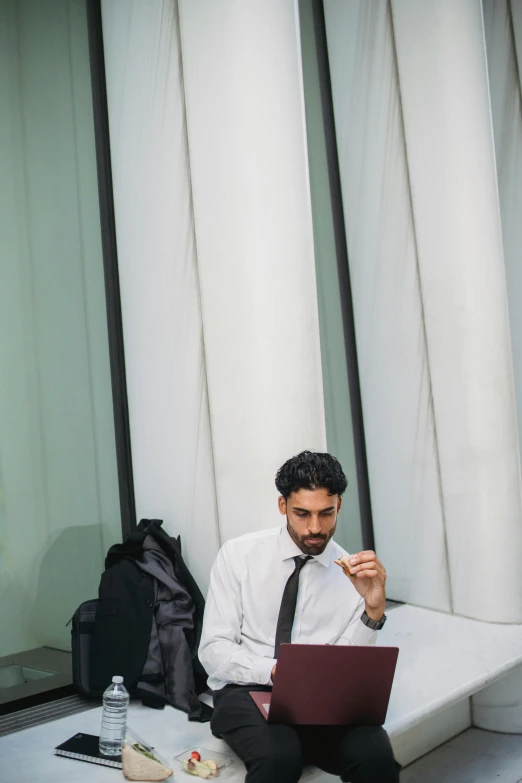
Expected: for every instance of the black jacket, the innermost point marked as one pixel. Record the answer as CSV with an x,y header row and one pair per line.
x,y
148,622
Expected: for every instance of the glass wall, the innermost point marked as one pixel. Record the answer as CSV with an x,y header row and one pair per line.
x,y
59,502
344,431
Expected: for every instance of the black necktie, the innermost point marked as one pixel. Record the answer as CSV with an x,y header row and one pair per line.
x,y
288,603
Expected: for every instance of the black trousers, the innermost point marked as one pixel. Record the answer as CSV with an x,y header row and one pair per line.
x,y
274,753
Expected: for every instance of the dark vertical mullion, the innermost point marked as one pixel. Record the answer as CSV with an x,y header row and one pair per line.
x,y
341,247
110,263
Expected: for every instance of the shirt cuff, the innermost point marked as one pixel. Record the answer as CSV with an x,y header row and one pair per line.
x,y
262,671
363,635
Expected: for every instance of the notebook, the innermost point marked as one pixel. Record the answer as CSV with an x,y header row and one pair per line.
x,y
84,747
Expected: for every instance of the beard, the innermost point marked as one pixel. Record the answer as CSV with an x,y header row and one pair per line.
x,y
310,545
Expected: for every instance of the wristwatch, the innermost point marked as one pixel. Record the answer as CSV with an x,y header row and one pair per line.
x,y
373,624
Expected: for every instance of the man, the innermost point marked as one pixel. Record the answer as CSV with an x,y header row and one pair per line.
x,y
252,607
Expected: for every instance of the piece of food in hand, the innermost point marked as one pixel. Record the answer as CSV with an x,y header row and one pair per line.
x,y
344,567
136,766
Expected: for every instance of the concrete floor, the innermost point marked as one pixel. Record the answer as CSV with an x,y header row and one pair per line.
x,y
475,756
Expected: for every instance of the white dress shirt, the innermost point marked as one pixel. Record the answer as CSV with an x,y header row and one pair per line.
x,y
244,598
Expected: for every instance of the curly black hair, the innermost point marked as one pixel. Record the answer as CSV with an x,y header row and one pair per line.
x,y
311,470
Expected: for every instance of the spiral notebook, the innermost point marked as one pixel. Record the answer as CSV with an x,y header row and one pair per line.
x,y
84,747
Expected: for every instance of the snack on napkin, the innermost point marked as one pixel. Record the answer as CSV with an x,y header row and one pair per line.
x,y
136,766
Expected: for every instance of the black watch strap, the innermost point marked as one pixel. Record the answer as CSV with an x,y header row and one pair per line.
x,y
373,624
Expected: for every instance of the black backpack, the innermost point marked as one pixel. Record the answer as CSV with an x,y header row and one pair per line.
x,y
81,634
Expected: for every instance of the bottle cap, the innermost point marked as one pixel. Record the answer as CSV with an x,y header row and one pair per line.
x,y
118,680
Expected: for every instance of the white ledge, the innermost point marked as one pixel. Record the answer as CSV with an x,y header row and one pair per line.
x,y
442,660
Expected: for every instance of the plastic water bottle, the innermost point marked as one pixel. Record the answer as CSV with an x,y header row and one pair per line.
x,y
114,718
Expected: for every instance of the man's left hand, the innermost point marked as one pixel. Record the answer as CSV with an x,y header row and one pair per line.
x,y
368,576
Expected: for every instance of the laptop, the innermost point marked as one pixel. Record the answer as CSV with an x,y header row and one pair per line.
x,y
329,685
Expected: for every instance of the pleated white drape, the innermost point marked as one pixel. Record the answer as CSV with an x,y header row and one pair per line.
x,y
391,339
418,173
499,706
447,119
503,24
166,377
218,280
253,222
205,460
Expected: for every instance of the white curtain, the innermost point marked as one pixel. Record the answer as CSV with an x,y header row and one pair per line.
x,y
413,122
164,348
218,280
219,312
247,142
390,331
503,29
451,158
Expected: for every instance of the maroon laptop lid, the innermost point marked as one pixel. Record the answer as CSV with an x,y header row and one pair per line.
x,y
330,685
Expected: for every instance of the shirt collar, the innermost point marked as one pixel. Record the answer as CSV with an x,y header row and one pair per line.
x,y
288,548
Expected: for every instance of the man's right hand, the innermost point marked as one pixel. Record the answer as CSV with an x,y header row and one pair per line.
x,y
273,672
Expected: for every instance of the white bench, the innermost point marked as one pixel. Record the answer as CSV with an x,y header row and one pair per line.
x,y
443,661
